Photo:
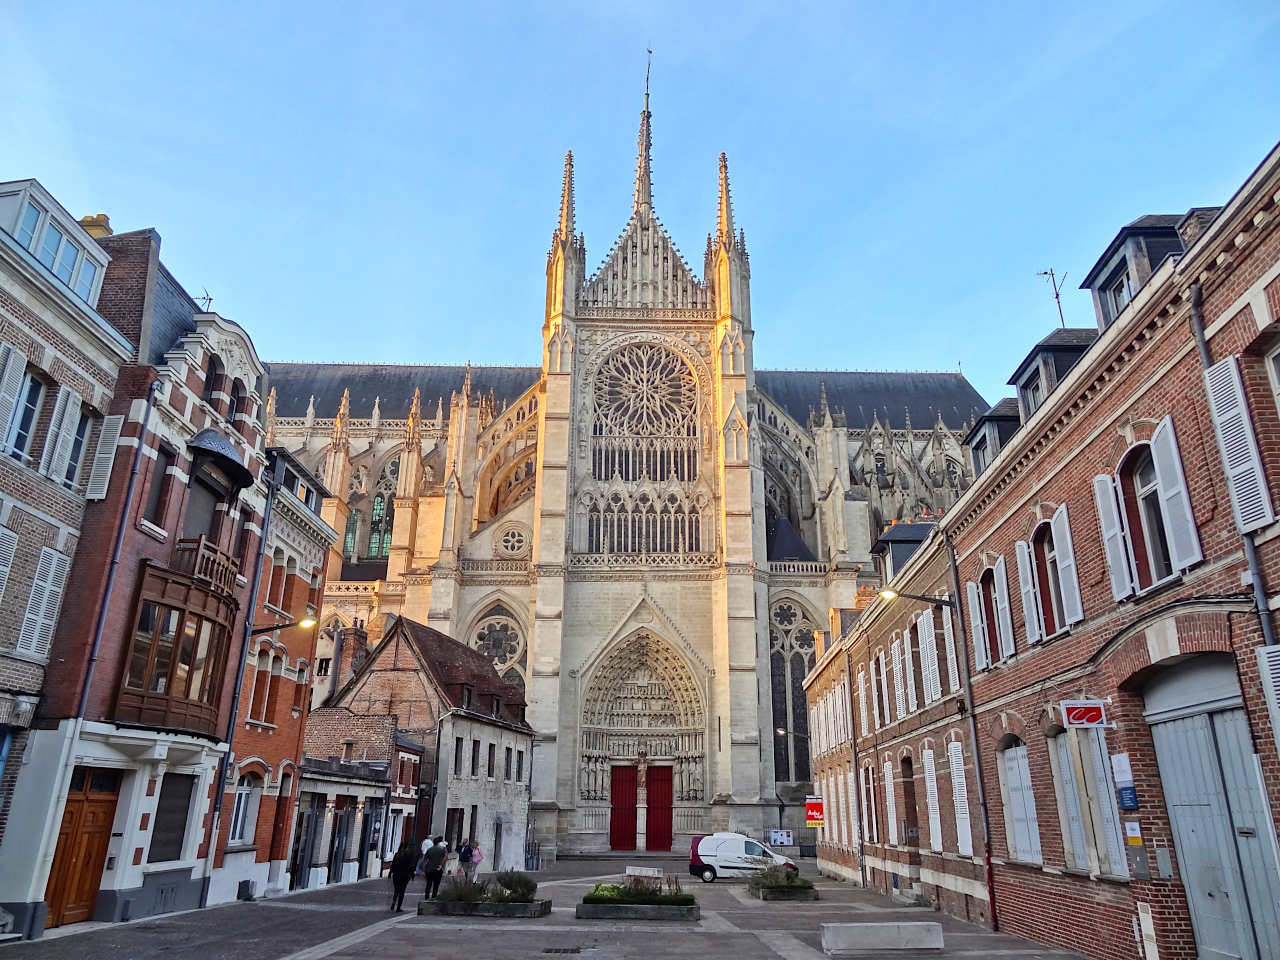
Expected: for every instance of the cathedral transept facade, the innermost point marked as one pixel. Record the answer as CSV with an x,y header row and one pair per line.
x,y
642,530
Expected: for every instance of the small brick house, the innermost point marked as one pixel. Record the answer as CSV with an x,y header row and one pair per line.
x,y
441,694
1065,725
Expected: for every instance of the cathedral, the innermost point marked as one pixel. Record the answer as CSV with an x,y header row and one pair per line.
x,y
643,530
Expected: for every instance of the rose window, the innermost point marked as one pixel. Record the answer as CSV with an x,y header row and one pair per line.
x,y
645,418
498,637
513,542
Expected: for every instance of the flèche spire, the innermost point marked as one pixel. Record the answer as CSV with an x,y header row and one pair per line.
x,y
564,229
724,218
644,174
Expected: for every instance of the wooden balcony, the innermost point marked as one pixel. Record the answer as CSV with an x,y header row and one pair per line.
x,y
203,561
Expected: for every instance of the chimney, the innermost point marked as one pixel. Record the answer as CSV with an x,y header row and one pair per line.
x,y
353,648
96,226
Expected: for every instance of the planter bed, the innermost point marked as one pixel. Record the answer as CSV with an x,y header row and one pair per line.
x,y
785,893
456,908
635,911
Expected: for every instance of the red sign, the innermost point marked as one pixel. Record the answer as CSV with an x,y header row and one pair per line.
x,y
813,812
1084,713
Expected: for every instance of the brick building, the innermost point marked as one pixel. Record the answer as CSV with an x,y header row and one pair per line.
x,y
260,789
110,814
1077,739
440,693
58,364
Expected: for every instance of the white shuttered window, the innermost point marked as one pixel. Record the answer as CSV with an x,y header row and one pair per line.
x,y
899,694
862,701
1004,614
977,627
36,635
890,806
949,641
1246,482
931,682
1022,829
931,800
960,799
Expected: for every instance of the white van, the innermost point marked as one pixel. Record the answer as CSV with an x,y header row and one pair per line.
x,y
731,855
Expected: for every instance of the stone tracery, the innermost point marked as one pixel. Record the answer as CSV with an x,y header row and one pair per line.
x,y
643,697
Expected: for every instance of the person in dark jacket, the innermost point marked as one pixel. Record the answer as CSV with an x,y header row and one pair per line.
x,y
433,867
403,866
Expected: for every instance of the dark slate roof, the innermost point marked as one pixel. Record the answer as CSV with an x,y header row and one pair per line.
x,y
904,533
1005,408
453,662
1155,223
295,383
864,394
859,394
1065,339
787,544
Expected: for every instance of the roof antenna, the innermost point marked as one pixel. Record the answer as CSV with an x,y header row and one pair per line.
x,y
206,300
1057,289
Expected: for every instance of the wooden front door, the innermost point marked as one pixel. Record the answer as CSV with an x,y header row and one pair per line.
x,y
658,820
76,874
622,812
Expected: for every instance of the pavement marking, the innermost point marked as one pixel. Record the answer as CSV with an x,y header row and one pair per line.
x,y
787,946
330,947
583,880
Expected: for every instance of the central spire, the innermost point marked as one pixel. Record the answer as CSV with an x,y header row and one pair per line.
x,y
644,176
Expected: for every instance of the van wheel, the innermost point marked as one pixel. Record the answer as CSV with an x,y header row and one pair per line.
x,y
708,874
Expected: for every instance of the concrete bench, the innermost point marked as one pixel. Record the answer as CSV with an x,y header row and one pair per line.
x,y
864,939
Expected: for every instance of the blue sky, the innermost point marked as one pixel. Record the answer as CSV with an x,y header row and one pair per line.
x,y
380,182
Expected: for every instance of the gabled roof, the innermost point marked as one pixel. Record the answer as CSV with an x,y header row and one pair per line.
x,y
1151,223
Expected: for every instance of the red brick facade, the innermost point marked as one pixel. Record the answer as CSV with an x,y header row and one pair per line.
x,y
1064,864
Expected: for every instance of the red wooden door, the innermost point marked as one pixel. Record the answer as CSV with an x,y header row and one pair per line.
x,y
622,815
658,818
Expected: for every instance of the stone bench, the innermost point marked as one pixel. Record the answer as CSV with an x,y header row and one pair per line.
x,y
872,939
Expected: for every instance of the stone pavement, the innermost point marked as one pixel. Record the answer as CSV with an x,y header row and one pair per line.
x,y
349,922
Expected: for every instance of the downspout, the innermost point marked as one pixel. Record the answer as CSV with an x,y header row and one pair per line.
x,y
1250,547
273,484
857,774
973,727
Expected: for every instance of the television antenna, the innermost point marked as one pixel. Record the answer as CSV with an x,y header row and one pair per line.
x,y
1056,284
205,299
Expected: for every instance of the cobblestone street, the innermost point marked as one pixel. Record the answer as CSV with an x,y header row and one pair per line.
x,y
352,921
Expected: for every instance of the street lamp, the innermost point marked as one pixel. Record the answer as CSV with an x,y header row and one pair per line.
x,y
888,594
306,623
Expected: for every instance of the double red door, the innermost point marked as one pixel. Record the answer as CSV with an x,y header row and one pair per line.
x,y
623,793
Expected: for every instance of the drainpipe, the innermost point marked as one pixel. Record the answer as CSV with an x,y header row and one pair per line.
x,y
1250,547
857,774
973,727
273,484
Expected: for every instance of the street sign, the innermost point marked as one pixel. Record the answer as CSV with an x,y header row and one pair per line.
x,y
1084,713
813,812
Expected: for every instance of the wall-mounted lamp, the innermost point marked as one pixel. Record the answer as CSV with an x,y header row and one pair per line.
x,y
888,594
306,623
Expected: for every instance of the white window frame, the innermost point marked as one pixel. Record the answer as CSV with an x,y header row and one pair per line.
x,y
24,455
244,810
1022,826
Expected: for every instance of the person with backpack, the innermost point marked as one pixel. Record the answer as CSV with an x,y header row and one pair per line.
x,y
465,862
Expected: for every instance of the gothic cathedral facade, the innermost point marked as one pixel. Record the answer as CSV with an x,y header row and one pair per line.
x,y
644,532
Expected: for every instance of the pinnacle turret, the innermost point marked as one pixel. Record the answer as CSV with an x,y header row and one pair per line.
x,y
724,218
565,226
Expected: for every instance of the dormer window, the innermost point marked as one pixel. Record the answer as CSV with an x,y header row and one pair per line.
x,y
1032,391
1119,293
27,227
466,697
981,455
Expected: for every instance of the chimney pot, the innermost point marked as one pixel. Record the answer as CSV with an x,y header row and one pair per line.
x,y
97,225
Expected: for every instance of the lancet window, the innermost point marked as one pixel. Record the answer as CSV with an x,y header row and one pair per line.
x,y
791,656
382,511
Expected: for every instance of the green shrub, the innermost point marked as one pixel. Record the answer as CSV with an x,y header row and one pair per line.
x,y
637,894
461,890
777,877
514,886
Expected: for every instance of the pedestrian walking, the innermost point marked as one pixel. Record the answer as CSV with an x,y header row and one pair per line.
x,y
464,858
433,867
402,868
477,855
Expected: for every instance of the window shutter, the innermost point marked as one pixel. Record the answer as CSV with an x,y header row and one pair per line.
x,y
949,641
61,564
8,547
1027,587
960,798
931,800
844,815
1113,538
55,430
104,458
890,805
1025,843
853,805
899,699
1246,481
1004,617
884,686
909,671
29,635
862,701
1269,674
1180,523
1073,839
1104,804
977,625
66,434
1068,582
13,367
929,658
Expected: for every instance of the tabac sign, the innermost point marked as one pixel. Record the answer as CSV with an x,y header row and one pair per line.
x,y
1084,713
813,812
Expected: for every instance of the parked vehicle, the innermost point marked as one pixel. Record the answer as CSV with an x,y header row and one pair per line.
x,y
731,855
